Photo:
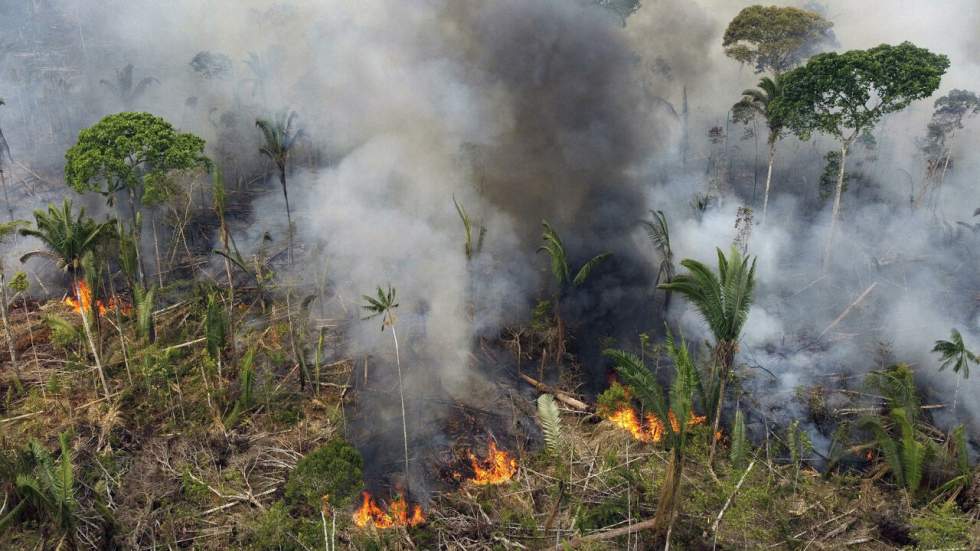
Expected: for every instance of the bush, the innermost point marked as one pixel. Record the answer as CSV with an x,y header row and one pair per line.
x,y
333,470
942,527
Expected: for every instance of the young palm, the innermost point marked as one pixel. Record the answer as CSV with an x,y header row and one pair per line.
x,y
756,102
679,404
280,136
954,353
384,305
659,235
66,237
723,300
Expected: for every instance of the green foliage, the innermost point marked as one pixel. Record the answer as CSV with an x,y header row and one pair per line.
x,y
143,306
761,102
828,178
246,389
64,334
382,305
612,399
799,444
280,136
332,470
275,530
215,326
951,110
552,244
740,444
953,353
550,421
19,283
541,316
131,151
776,38
659,235
836,93
469,247
65,236
943,526
722,299
50,487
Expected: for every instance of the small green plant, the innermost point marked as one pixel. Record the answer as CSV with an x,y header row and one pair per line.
x,y
333,470
740,445
550,421
798,442
943,526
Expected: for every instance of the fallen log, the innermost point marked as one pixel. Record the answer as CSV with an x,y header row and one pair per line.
x,y
610,534
847,310
559,395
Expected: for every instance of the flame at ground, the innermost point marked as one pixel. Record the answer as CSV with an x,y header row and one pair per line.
x,y
499,466
83,300
627,418
399,513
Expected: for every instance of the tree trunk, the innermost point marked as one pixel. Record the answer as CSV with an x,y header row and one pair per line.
x,y
401,396
724,355
289,216
668,493
137,237
6,325
765,197
95,351
835,213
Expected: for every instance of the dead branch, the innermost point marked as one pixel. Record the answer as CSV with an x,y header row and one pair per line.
x,y
559,395
847,310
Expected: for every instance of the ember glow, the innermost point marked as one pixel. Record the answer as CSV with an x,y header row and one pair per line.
x,y
652,430
497,468
400,513
83,300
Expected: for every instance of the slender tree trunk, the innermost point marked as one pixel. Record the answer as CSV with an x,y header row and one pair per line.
x,y
6,325
95,351
137,237
401,395
289,216
765,197
6,194
724,355
835,213
668,493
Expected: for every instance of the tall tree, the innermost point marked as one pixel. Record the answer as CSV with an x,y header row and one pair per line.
x,y
678,404
723,299
845,95
132,154
280,136
759,102
775,39
951,111
384,305
124,88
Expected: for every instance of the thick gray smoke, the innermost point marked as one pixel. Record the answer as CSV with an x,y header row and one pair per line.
x,y
523,111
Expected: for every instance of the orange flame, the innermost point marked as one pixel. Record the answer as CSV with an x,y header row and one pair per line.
x,y
627,418
499,466
399,513
82,301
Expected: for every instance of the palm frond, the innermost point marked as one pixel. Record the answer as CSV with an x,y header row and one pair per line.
x,y
586,269
636,375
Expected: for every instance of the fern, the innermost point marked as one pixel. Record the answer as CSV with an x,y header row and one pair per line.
x,y
215,326
144,311
550,422
740,444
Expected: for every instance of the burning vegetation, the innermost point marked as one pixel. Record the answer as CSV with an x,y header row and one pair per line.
x,y
400,513
81,299
496,468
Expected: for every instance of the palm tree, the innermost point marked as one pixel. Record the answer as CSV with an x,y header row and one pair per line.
x,y
66,237
679,404
123,88
724,300
280,136
49,488
659,235
756,102
384,305
560,269
954,353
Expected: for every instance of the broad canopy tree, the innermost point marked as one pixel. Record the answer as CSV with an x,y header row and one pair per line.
x,y
132,154
845,95
775,39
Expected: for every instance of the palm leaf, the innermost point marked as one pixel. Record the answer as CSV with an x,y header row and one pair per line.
x,y
586,269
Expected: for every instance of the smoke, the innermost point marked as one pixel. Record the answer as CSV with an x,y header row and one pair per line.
x,y
526,111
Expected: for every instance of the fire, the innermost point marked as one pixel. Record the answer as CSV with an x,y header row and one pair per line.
x,y
499,466
627,418
399,513
83,300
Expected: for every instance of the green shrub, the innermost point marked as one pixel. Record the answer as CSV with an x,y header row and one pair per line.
x,y
942,527
332,470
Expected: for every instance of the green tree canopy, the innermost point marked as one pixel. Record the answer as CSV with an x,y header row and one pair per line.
x,y
776,38
132,152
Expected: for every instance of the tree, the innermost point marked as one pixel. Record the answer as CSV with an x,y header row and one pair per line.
x,y
776,39
759,102
951,110
384,305
123,88
723,300
953,353
280,136
132,154
845,95
659,235
66,237
679,404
